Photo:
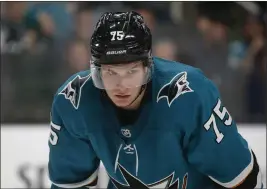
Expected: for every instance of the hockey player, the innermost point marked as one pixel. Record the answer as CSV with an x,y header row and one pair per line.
x,y
154,123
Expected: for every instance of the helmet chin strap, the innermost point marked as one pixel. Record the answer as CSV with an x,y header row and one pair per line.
x,y
143,87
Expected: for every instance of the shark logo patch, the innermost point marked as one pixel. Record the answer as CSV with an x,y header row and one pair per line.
x,y
73,90
175,88
134,183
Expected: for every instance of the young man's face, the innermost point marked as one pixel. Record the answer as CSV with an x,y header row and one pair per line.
x,y
123,81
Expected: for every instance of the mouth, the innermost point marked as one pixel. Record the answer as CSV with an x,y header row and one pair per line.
x,y
122,96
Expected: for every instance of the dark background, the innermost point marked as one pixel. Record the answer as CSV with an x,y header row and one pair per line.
x,y
43,43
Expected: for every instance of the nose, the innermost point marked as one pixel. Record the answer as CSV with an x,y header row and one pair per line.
x,y
121,89
121,83
121,86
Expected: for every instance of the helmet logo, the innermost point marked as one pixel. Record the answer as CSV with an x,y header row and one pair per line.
x,y
116,52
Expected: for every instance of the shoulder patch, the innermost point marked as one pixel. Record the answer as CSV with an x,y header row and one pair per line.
x,y
73,90
175,88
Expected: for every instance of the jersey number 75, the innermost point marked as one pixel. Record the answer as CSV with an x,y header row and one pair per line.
x,y
212,121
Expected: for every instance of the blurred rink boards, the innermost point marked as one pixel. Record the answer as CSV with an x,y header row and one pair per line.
x,y
24,154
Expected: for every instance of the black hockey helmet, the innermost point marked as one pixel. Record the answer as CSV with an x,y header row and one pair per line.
x,y
120,38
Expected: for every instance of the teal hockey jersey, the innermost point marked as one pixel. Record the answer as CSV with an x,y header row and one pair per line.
x,y
184,137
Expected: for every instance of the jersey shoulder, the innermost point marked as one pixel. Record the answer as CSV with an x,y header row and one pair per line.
x,y
176,79
68,102
184,92
75,79
71,89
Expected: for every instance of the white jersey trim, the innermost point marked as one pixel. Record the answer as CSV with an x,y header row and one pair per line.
x,y
259,180
55,126
79,184
239,178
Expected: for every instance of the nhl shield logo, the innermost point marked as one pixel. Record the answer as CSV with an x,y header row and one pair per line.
x,y
126,133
